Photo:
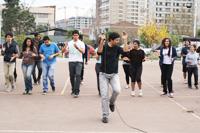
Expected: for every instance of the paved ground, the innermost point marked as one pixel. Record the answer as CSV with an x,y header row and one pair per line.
x,y
59,112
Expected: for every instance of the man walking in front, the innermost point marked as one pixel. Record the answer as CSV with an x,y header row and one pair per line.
x,y
76,49
48,52
110,53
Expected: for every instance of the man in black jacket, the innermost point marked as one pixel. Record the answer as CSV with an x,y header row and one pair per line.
x,y
10,52
38,63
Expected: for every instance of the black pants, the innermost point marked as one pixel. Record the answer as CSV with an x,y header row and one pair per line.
x,y
192,70
15,72
161,73
82,71
75,76
127,72
97,69
136,73
37,64
167,71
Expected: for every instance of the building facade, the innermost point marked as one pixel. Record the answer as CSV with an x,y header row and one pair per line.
x,y
44,15
177,15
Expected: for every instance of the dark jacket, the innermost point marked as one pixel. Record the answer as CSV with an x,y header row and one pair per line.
x,y
174,54
9,51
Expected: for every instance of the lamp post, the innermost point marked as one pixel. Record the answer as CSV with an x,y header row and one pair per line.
x,y
189,5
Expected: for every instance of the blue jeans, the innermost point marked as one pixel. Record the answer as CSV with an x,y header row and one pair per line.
x,y
48,72
27,71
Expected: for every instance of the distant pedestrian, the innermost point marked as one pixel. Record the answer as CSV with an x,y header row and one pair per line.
x,y
126,67
48,52
85,59
28,54
192,59
10,52
184,52
167,56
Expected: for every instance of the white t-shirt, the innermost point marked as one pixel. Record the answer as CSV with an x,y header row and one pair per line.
x,y
167,59
74,54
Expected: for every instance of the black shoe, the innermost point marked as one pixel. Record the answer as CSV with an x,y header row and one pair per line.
x,y
38,81
112,107
53,89
44,92
76,95
190,87
105,120
197,87
72,93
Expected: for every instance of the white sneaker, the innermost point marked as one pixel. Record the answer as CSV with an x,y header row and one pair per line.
x,y
185,81
82,82
140,93
132,93
127,87
171,95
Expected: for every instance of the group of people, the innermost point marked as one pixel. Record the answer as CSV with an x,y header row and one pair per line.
x,y
190,63
42,53
35,53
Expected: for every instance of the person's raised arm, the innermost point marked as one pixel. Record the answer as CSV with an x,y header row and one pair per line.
x,y
125,41
101,44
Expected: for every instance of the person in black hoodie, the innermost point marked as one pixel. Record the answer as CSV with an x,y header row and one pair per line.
x,y
10,53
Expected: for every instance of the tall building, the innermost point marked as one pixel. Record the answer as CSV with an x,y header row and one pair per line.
x,y
44,15
109,12
82,24
178,15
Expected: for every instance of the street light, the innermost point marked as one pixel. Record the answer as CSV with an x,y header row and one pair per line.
x,y
189,5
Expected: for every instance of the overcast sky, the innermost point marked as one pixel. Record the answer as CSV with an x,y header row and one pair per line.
x,y
84,6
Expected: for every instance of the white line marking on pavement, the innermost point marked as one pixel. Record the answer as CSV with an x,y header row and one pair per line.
x,y
175,102
65,87
25,131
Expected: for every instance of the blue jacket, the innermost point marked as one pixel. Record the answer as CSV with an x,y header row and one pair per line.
x,y
174,54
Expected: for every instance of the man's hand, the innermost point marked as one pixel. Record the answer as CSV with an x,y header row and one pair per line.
x,y
124,36
126,59
12,59
33,54
51,57
76,46
102,37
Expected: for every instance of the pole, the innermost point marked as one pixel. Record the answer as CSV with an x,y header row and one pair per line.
x,y
195,19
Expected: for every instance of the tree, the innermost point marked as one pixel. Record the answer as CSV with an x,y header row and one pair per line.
x,y
198,33
17,18
10,15
152,34
41,28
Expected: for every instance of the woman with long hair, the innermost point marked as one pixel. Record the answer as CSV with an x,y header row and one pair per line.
x,y
168,55
28,54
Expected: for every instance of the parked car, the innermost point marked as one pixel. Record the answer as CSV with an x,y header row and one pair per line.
x,y
147,51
